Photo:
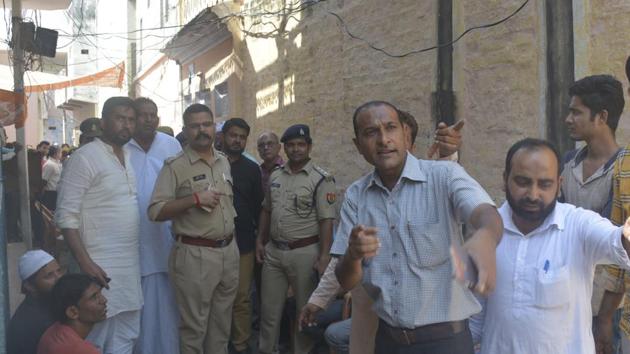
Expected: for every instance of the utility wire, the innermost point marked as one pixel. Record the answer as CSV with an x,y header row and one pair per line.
x,y
344,26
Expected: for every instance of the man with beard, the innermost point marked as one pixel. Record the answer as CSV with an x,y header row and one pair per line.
x,y
194,190
147,152
39,272
545,261
297,219
97,212
248,196
396,227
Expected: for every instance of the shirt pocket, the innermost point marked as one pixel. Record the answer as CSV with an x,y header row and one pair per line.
x,y
303,202
429,244
552,288
184,189
551,306
200,186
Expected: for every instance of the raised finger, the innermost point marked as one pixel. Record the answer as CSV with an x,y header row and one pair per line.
x,y
447,139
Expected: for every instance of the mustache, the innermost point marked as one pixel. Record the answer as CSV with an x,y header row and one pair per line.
x,y
202,135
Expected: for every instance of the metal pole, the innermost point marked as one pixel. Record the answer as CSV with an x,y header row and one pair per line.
x,y
4,270
22,155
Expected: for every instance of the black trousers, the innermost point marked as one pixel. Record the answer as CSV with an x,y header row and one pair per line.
x,y
460,343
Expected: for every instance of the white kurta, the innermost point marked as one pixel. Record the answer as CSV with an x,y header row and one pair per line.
x,y
542,302
160,318
97,196
155,237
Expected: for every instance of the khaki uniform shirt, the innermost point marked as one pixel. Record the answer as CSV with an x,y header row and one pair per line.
x,y
188,173
295,214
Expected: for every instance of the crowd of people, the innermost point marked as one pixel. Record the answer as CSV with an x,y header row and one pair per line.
x,y
184,242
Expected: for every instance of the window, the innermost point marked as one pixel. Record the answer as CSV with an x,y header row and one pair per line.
x,y
221,99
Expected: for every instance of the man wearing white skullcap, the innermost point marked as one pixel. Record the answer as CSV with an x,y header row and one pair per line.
x,y
39,272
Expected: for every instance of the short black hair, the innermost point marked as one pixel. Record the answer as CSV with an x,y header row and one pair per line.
x,y
529,144
116,101
235,122
43,142
53,150
196,108
408,119
598,93
628,68
143,100
371,104
67,292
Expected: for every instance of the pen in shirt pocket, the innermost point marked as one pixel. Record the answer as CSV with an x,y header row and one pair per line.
x,y
546,266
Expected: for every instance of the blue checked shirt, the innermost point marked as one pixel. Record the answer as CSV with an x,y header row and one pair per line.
x,y
410,280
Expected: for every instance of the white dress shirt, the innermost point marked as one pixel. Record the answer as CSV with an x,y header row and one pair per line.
x,y
156,240
51,172
97,196
541,304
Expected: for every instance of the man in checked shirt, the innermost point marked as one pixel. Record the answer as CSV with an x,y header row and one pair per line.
x,y
394,238
620,211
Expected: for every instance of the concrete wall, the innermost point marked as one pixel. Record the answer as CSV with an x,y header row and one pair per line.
x,y
310,71
316,74
499,83
602,37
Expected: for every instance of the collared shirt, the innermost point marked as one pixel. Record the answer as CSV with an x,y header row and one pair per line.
x,y
295,210
51,174
28,324
97,196
248,197
594,193
188,173
410,279
266,172
544,283
156,240
620,212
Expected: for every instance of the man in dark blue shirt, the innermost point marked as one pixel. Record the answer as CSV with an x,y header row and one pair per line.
x,y
39,272
248,197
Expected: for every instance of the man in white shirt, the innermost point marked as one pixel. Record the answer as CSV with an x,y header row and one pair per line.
x,y
147,151
545,262
51,172
97,212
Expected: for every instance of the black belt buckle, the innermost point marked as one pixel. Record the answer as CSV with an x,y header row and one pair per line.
x,y
282,245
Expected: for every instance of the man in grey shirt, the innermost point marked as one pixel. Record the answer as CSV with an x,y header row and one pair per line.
x,y
594,111
395,233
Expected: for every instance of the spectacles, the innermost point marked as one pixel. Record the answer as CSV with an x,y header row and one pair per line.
x,y
196,126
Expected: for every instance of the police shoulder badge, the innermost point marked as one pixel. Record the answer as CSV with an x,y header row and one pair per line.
x,y
331,197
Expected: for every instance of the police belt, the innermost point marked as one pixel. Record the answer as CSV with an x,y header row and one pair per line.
x,y
204,242
427,333
291,245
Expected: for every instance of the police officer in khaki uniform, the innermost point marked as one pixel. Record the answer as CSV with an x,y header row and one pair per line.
x,y
297,220
194,189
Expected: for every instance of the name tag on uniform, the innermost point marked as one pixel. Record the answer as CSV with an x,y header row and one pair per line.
x,y
199,177
275,185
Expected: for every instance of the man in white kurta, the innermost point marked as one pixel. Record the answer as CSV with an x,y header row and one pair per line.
x,y
545,262
97,211
159,321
